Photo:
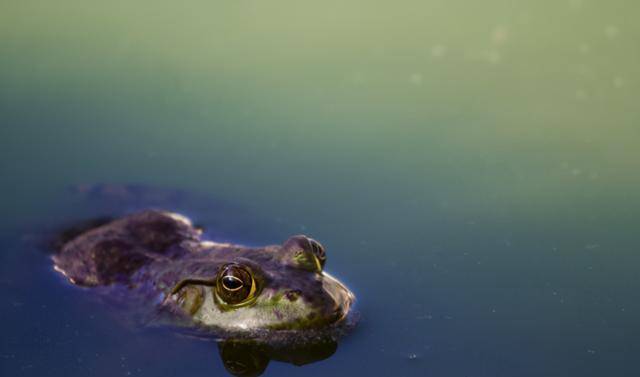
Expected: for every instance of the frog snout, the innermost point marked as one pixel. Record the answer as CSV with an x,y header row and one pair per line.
x,y
340,296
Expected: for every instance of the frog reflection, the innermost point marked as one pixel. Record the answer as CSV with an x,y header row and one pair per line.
x,y
250,358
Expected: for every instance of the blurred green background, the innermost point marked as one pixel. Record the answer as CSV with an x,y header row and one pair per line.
x,y
475,145
458,106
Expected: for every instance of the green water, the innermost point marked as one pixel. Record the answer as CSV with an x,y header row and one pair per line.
x,y
472,167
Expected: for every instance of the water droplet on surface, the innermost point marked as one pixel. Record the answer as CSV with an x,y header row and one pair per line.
x,y
584,48
618,82
493,57
438,51
416,79
499,35
611,31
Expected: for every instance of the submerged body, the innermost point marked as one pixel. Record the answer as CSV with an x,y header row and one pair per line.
x,y
157,260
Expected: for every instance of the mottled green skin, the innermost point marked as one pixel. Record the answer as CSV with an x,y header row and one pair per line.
x,y
143,257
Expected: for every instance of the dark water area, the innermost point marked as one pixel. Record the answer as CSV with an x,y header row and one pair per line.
x,y
436,304
471,169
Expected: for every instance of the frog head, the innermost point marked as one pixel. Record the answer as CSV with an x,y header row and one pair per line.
x,y
282,287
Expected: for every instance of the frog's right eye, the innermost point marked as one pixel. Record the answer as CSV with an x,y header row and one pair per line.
x,y
308,253
235,285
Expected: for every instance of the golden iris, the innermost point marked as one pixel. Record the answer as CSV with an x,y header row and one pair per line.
x,y
235,285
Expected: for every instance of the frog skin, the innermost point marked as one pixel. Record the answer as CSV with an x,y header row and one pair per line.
x,y
158,259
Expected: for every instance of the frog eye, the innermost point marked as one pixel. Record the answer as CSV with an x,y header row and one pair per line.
x,y
318,251
235,285
309,253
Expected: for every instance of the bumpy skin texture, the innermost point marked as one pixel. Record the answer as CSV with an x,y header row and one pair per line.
x,y
156,258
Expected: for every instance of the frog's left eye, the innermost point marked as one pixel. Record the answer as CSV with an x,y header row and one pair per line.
x,y
235,285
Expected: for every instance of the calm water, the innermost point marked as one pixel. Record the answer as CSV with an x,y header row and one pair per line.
x,y
472,168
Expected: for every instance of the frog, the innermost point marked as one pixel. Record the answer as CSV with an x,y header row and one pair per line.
x,y
269,302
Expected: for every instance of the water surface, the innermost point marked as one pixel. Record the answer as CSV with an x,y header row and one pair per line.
x,y
471,168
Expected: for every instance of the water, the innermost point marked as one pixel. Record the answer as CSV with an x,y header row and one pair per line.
x,y
471,168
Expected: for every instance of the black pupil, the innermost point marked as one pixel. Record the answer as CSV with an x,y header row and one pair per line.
x,y
231,283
